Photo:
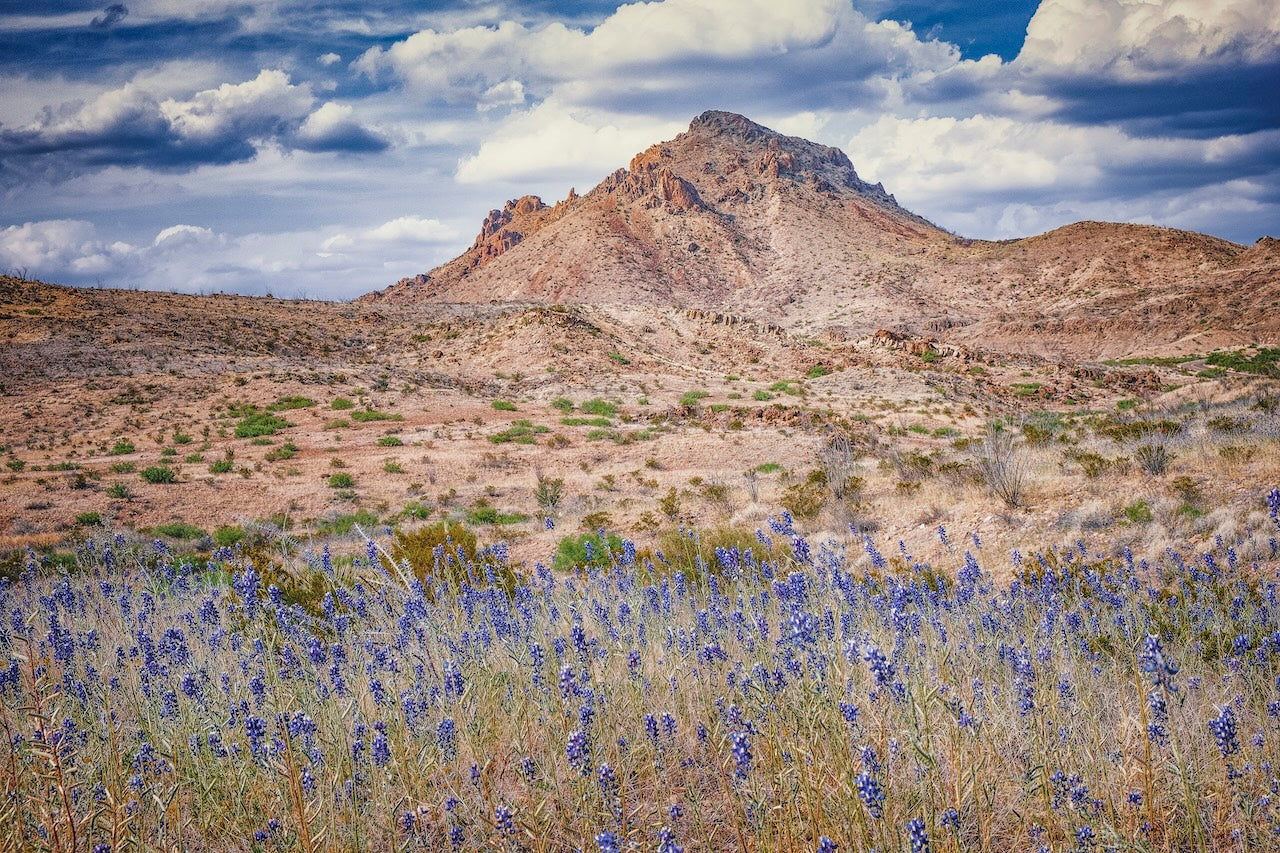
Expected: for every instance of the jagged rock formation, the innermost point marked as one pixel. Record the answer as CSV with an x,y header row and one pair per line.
x,y
735,218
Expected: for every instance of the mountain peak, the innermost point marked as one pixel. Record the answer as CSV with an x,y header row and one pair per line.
x,y
719,122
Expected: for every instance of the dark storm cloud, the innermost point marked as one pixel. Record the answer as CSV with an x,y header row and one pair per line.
x,y
112,15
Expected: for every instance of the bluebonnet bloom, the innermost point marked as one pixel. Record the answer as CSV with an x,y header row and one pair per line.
x,y
918,836
950,820
504,819
826,845
667,841
607,842
447,738
871,793
381,748
578,751
1223,728
741,752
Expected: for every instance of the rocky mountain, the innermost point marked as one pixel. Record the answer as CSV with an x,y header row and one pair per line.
x,y
731,216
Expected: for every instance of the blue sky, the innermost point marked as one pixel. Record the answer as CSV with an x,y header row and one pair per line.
x,y
325,149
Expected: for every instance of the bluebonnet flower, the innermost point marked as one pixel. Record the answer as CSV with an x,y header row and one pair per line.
x,y
667,841
950,820
918,836
1153,660
741,752
504,819
826,845
1223,728
607,842
871,793
578,751
381,748
447,738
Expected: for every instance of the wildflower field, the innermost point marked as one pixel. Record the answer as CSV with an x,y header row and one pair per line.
x,y
794,696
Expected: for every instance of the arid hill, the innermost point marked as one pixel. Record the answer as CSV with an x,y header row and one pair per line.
x,y
731,216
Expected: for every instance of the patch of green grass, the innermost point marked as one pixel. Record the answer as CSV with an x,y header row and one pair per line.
x,y
785,386
291,402
342,404
259,424
504,405
121,447
119,491
391,466
337,423
521,432
181,438
159,474
178,530
228,535
220,466
1265,361
817,371
341,480
485,514
691,398
193,458
15,465
768,468
342,525
761,395
1025,389
619,358
596,406
595,422
88,519
564,404
1138,512
123,467
390,441
285,451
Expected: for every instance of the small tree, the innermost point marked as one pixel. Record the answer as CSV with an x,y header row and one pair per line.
x,y
549,492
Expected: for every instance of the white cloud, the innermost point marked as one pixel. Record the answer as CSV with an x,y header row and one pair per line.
x,y
1146,39
255,107
327,59
403,230
551,141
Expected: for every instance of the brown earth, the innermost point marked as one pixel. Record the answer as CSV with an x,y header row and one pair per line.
x,y
729,413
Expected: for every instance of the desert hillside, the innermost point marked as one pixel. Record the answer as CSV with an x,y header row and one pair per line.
x,y
731,216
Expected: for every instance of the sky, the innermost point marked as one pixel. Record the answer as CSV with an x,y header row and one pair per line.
x,y
326,148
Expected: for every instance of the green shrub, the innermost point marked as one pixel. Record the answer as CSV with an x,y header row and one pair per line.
x,y
691,398
259,424
121,447
761,395
817,371
15,465
521,432
391,466
123,467
157,474
504,405
571,552
221,466
285,451
619,358
88,519
342,404
596,406
341,480
292,402
193,458
119,491
563,404
768,468
342,525
390,441
485,514
370,415
228,535
1138,512
337,423
181,438
178,530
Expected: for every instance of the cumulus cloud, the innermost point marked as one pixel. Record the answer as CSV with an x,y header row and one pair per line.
x,y
551,142
403,230
993,176
132,126
1149,39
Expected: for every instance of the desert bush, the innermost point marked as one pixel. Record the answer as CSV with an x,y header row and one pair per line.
x,y
371,415
504,405
342,404
807,498
548,491
259,424
341,480
391,441
178,530
1153,457
602,408
158,474
121,448
999,459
